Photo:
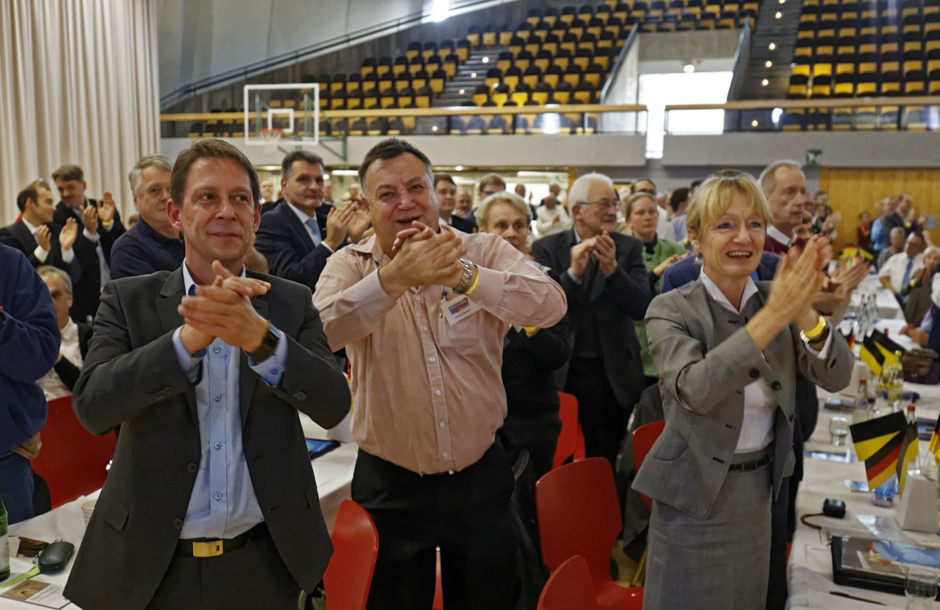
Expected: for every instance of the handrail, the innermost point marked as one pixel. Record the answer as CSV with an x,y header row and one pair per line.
x,y
308,52
741,56
810,103
622,57
419,112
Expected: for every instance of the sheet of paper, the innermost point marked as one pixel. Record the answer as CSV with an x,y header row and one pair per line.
x,y
19,571
37,593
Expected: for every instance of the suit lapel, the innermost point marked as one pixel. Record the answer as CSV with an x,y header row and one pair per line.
x,y
300,231
170,296
246,377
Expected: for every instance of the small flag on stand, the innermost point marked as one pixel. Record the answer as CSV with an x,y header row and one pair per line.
x,y
910,449
934,446
878,443
878,351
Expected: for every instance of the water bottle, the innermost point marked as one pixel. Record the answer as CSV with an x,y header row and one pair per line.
x,y
861,411
4,543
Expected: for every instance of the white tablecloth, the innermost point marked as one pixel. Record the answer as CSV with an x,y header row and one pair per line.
x,y
888,307
334,478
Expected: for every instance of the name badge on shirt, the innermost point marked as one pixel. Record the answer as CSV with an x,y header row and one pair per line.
x,y
458,308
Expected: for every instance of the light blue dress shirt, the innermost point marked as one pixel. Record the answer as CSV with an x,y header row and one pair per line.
x,y
223,503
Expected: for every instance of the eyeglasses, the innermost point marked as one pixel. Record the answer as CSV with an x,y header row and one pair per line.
x,y
602,204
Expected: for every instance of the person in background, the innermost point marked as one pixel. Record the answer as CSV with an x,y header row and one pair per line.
x,y
658,255
551,217
354,192
211,487
917,292
36,236
422,311
75,337
464,207
153,244
784,186
446,191
554,192
299,237
902,267
893,217
909,214
863,234
520,190
663,227
267,191
490,184
804,230
29,346
727,351
920,333
608,288
879,237
694,187
99,226
897,238
530,355
679,203
328,202
132,220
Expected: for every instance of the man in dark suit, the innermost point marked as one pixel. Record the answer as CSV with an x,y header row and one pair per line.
x,y
99,225
689,268
608,288
36,236
298,237
446,190
211,501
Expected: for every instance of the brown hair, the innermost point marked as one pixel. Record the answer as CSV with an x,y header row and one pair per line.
x,y
31,192
68,172
489,179
443,178
391,149
209,149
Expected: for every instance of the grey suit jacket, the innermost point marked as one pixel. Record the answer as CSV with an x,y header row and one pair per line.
x,y
705,359
131,377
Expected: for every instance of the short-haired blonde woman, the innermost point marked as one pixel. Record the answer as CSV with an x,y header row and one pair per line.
x,y
727,351
530,355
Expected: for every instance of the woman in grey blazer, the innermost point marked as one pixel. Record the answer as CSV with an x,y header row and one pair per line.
x,y
728,349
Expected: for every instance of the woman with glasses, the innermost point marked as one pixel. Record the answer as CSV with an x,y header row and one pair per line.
x,y
727,350
642,214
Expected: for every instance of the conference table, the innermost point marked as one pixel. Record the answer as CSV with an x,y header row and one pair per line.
x,y
333,472
810,574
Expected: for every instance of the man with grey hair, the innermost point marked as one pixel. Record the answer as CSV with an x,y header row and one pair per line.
x,y
784,185
152,244
608,289
896,240
75,336
900,268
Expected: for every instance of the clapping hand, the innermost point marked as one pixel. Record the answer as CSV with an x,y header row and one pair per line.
x,y
90,218
360,221
43,237
580,255
422,258
68,234
669,262
605,251
799,277
106,208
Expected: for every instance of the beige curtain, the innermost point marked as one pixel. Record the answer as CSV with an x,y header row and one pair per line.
x,y
78,84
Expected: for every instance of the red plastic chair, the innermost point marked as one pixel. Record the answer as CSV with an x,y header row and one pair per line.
x,y
579,514
569,587
355,548
72,461
568,438
643,439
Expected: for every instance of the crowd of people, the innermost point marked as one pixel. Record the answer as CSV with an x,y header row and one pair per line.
x,y
224,311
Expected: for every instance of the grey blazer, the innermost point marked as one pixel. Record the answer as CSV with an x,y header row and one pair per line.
x,y
705,358
131,377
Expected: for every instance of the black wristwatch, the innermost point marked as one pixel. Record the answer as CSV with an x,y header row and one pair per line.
x,y
268,345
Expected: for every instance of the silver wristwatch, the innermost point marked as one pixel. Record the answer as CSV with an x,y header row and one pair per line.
x,y
467,279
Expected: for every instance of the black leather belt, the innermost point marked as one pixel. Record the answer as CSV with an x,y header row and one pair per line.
x,y
213,547
746,466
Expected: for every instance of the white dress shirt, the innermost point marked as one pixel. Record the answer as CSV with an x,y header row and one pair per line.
x,y
895,267
304,217
779,237
546,223
41,253
757,426
664,229
50,383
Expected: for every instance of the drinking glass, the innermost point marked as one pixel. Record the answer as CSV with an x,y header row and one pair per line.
x,y
920,587
838,430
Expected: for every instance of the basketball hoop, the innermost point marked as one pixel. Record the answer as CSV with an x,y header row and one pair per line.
x,y
271,138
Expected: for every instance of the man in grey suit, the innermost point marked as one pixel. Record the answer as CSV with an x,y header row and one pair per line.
x,y
608,288
211,501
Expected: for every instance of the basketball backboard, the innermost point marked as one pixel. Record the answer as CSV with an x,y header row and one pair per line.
x,y
291,109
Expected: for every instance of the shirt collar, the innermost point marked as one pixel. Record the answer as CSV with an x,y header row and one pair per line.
x,y
303,216
778,236
30,226
750,289
188,281
70,331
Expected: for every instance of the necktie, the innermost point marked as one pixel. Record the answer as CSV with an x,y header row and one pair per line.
x,y
315,228
907,272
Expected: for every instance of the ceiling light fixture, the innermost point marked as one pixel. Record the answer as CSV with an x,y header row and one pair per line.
x,y
460,92
458,168
765,82
688,68
473,75
768,63
772,46
778,15
486,60
754,123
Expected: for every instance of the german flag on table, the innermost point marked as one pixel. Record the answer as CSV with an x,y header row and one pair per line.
x,y
878,351
934,446
878,443
910,449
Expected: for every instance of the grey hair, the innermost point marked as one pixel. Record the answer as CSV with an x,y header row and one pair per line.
x,y
149,161
46,270
768,177
578,193
483,212
898,230
932,250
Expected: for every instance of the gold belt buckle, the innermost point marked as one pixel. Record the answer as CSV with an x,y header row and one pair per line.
x,y
207,549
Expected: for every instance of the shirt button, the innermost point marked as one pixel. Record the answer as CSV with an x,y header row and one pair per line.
x,y
442,424
432,359
216,349
218,397
177,524
218,496
218,445
192,467
445,454
275,371
437,392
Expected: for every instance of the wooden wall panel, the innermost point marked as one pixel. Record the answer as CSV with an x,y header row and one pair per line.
x,y
852,191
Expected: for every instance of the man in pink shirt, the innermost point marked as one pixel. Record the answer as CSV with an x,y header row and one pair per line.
x,y
422,311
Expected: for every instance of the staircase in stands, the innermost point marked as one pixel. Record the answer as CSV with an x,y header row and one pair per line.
x,y
782,33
